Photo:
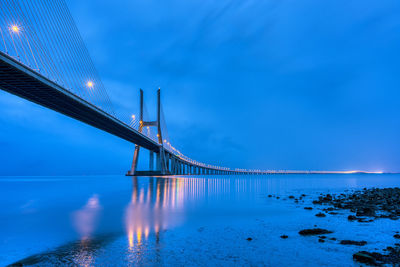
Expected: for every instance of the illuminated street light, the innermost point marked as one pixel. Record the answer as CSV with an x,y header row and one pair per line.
x,y
90,84
15,28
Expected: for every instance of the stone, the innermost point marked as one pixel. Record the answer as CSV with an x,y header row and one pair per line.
x,y
351,218
315,231
284,236
320,214
366,211
351,242
364,257
249,239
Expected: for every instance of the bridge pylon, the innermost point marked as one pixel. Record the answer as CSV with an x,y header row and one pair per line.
x,y
161,165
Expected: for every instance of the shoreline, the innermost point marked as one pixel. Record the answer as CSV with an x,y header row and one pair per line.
x,y
365,206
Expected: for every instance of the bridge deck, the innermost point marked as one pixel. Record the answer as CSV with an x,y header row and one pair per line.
x,y
20,80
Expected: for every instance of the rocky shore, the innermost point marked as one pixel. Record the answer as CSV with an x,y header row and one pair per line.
x,y
372,203
366,205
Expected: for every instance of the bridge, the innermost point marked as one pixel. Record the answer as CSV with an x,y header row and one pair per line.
x,y
43,59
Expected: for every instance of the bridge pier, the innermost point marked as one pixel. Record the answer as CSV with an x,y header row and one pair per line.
x,y
162,167
151,161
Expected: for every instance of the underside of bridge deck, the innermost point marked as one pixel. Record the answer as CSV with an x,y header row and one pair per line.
x,y
20,80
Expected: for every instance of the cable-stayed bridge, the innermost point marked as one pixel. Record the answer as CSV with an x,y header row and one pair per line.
x,y
43,59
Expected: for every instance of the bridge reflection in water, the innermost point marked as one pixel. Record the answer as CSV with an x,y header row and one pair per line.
x,y
152,208
159,203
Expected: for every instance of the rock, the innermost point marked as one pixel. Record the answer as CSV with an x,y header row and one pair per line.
x,y
322,236
320,214
364,257
315,231
351,242
291,197
397,236
269,195
333,238
284,236
363,220
366,211
351,218
249,239
308,208
320,240
333,213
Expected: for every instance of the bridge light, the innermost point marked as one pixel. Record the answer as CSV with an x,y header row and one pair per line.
x,y
15,28
133,117
165,140
90,84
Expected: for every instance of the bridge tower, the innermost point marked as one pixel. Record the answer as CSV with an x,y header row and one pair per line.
x,y
161,166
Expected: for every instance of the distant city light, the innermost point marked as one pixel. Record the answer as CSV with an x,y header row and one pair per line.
x,y
90,84
15,28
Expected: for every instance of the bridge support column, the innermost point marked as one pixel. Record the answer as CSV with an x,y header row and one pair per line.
x,y
151,161
134,161
167,163
158,165
175,166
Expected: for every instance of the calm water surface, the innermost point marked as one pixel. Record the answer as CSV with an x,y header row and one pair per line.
x,y
181,221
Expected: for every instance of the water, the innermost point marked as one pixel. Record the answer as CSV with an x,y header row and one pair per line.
x,y
180,221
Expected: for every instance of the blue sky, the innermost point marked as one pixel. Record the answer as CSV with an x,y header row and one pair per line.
x,y
310,85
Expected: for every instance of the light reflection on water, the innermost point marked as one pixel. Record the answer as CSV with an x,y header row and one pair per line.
x,y
85,219
149,220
